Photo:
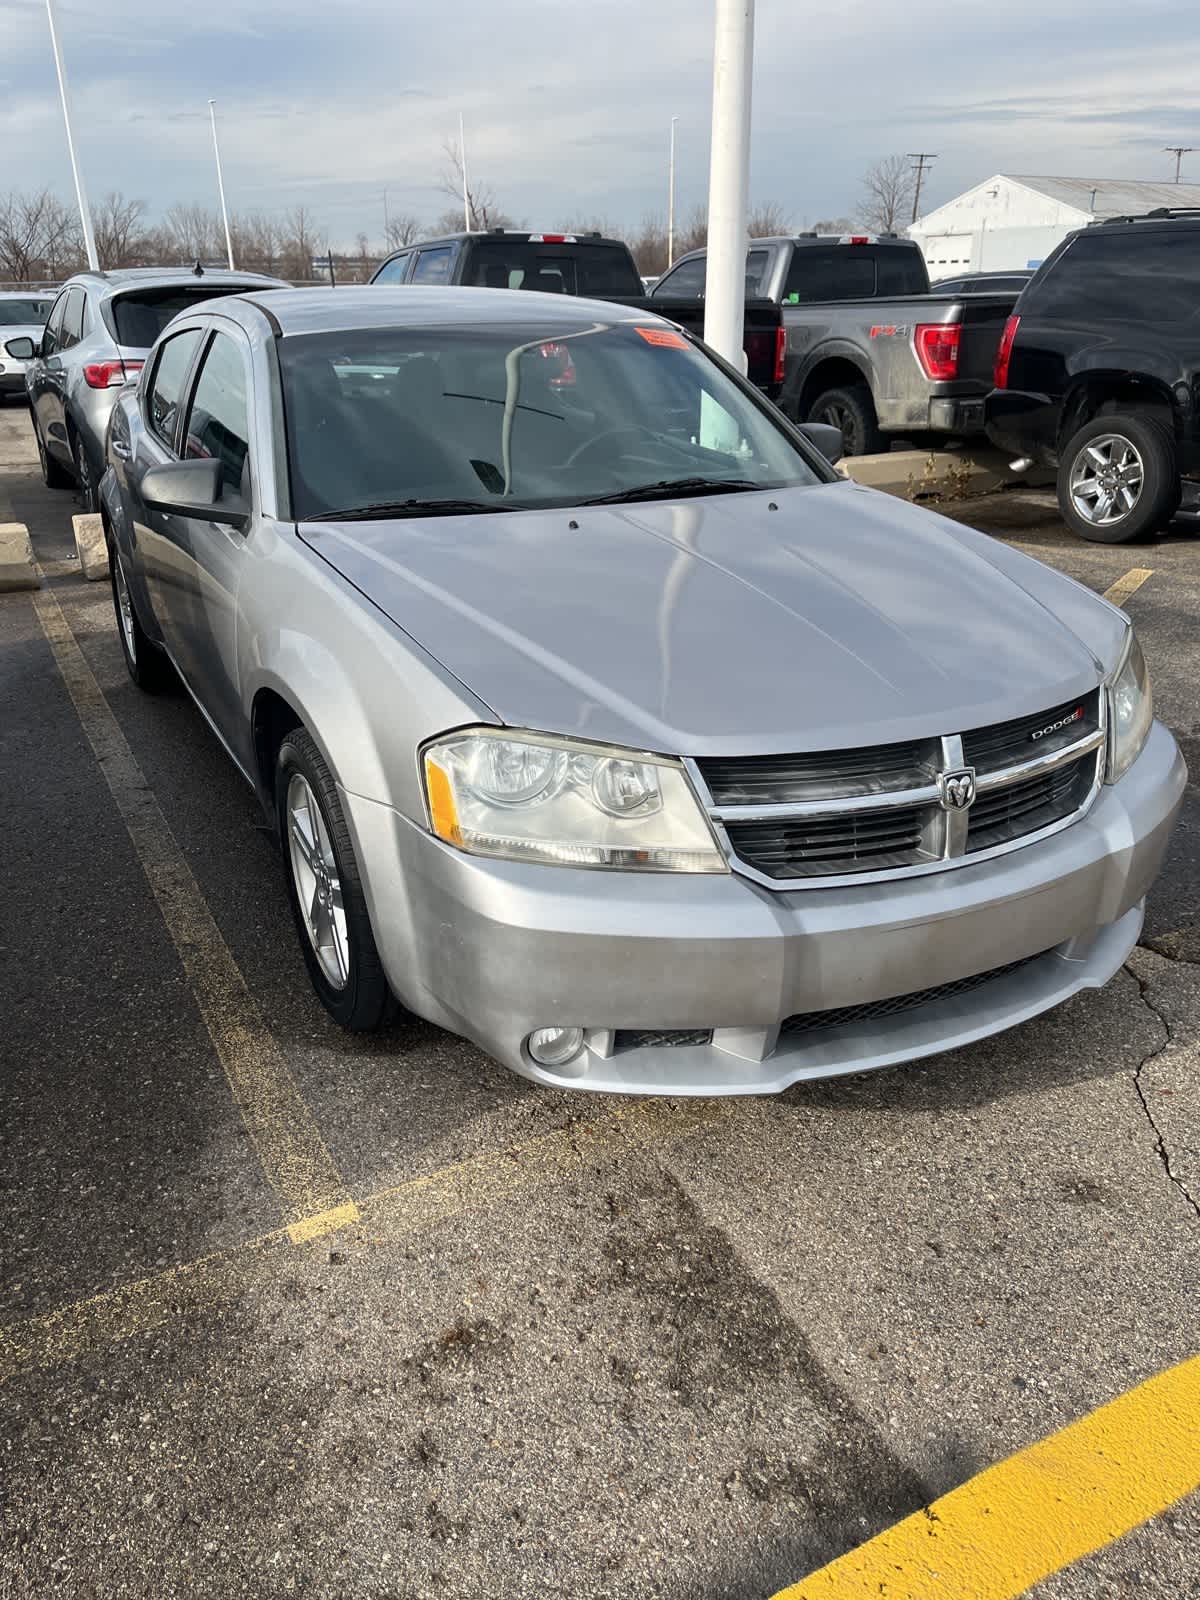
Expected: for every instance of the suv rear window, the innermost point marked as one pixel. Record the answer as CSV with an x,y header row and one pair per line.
x,y
1139,273
138,317
595,269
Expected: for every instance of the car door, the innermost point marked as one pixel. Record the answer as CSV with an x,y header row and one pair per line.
x,y
59,374
46,399
158,565
204,615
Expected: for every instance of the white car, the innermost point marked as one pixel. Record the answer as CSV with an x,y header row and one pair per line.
x,y
22,316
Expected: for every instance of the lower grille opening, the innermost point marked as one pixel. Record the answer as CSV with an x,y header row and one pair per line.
x,y
658,1038
878,1010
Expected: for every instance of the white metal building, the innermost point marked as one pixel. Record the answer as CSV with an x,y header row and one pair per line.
x,y
1013,220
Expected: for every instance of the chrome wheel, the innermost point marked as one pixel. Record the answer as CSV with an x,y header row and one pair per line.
x,y
1106,481
318,884
125,609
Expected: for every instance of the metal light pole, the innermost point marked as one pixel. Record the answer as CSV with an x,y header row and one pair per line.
x,y
387,231
729,177
212,112
85,216
462,155
671,197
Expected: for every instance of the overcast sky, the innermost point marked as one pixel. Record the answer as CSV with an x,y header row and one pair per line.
x,y
567,106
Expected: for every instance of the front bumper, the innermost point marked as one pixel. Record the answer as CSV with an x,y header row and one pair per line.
x,y
496,949
12,376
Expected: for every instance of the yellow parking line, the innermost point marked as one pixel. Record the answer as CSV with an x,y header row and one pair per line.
x,y
104,1319
1030,1516
289,1144
1133,580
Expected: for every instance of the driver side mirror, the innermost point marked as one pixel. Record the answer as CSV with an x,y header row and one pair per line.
x,y
825,438
22,349
193,489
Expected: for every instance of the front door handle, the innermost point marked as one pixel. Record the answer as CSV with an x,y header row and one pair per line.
x,y
119,448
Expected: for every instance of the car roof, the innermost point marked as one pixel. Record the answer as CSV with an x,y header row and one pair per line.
x,y
514,236
164,277
317,310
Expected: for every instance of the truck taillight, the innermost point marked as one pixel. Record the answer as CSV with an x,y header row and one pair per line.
x,y
1004,352
110,374
780,355
937,349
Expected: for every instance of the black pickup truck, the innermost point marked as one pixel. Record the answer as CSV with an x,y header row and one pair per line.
x,y
863,343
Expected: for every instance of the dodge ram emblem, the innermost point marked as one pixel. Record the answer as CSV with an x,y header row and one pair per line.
x,y
958,788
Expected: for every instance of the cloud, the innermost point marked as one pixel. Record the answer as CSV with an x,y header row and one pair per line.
x,y
568,108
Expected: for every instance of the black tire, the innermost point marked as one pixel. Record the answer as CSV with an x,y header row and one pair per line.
x,y
54,474
363,1001
853,411
1155,481
85,474
145,662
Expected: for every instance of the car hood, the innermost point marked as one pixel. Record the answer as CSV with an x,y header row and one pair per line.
x,y
760,622
26,330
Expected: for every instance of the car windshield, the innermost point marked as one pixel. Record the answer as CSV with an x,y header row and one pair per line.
x,y
502,417
24,313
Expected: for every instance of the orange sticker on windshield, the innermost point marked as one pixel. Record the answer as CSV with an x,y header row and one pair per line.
x,y
664,338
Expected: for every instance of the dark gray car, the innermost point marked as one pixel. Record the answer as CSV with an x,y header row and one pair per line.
x,y
599,719
98,333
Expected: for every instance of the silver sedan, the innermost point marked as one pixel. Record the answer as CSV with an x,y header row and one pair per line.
x,y
599,719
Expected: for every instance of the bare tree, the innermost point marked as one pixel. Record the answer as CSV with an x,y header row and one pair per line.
x,y
692,233
649,246
23,233
117,225
767,221
402,229
834,225
481,204
888,190
300,243
196,232
257,240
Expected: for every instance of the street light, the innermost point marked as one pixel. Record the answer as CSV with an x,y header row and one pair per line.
x,y
85,216
671,197
729,179
212,112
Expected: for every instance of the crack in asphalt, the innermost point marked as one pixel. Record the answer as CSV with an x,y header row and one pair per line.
x,y
1160,1144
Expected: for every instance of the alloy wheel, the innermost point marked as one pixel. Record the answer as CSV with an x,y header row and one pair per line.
x,y
1106,480
317,880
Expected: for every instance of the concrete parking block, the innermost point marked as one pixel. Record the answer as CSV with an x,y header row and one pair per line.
x,y
91,545
18,569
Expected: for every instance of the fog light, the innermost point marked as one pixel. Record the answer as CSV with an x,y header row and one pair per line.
x,y
554,1047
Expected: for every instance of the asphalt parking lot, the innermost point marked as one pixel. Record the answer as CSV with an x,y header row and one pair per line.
x,y
523,1343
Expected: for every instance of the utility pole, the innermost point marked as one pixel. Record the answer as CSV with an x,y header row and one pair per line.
x,y
729,178
923,158
671,198
85,215
386,226
212,112
462,156
1178,151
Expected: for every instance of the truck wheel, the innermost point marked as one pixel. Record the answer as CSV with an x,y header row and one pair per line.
x,y
1118,479
853,411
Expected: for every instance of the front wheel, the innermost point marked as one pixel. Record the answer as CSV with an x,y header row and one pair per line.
x,y
146,663
325,890
853,411
1118,479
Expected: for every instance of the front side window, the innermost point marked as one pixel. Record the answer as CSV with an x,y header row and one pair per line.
x,y
53,334
393,271
166,386
433,266
499,418
685,282
73,317
218,421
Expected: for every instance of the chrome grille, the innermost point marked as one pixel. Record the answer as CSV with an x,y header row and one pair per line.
x,y
852,814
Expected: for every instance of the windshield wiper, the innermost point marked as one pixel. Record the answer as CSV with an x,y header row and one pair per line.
x,y
412,508
669,488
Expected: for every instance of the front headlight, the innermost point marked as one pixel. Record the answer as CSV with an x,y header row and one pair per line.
x,y
1130,710
536,797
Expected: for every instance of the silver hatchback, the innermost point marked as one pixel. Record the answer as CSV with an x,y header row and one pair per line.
x,y
98,333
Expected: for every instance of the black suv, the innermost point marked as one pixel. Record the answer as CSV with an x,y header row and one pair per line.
x,y
1098,373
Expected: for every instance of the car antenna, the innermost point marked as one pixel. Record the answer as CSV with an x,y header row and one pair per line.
x,y
197,270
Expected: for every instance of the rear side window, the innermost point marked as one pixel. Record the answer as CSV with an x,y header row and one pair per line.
x,y
53,333
166,386
587,269
830,272
1139,274
433,266
137,318
73,318
393,271
218,423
